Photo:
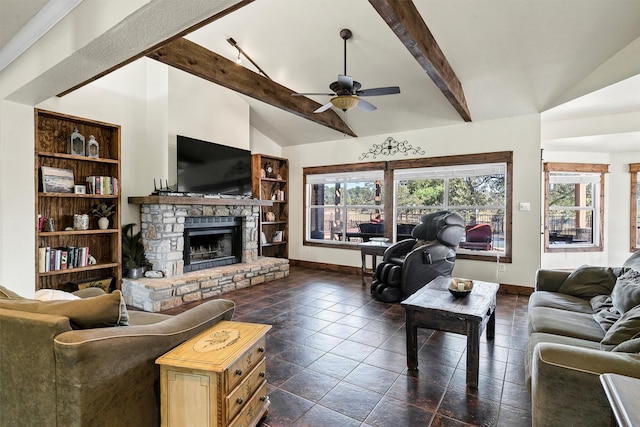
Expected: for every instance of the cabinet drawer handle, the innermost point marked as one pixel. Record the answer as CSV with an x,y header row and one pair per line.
x,y
263,398
262,374
239,401
260,349
238,372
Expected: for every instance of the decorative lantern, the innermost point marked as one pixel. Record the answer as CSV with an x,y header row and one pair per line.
x,y
93,148
75,143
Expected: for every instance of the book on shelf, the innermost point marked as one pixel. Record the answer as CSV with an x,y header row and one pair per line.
x,y
62,258
98,184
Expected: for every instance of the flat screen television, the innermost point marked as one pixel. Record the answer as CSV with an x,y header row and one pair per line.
x,y
209,168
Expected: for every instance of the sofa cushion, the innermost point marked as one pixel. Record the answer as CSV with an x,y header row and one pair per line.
x,y
565,323
588,281
85,313
626,328
559,301
626,292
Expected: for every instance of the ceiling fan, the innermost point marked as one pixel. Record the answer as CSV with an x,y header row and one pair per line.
x,y
346,91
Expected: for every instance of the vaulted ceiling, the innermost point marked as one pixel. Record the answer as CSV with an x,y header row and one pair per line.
x,y
510,58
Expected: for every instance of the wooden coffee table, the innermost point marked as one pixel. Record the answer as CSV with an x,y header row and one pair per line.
x,y
434,307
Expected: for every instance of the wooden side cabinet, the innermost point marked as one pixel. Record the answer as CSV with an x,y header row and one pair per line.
x,y
270,177
216,378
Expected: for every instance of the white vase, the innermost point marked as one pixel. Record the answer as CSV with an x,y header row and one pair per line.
x,y
103,223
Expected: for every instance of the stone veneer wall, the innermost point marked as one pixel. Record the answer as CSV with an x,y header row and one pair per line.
x,y
169,292
163,232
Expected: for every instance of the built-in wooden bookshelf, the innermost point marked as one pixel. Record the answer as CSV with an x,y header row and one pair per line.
x,y
271,182
51,150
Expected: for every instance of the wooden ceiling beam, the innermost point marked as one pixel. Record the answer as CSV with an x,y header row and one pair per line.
x,y
194,59
405,21
181,34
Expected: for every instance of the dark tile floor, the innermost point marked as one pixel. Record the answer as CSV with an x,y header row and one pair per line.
x,y
336,357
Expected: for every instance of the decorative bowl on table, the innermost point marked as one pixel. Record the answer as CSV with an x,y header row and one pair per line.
x,y
460,287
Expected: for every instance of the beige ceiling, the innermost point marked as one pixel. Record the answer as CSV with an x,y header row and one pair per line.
x,y
512,57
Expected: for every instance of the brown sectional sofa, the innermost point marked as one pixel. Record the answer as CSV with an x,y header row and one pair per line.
x,y
58,369
581,324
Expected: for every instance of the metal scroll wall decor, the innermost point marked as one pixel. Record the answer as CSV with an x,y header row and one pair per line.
x,y
390,147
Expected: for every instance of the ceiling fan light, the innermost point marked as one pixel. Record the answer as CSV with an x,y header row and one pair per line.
x,y
345,102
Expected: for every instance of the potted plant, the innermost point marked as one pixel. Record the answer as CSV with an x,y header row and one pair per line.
x,y
134,260
103,212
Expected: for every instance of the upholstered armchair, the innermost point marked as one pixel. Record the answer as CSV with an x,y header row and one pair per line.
x,y
88,361
410,264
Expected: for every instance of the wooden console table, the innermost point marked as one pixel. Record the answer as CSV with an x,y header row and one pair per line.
x,y
374,249
216,378
434,307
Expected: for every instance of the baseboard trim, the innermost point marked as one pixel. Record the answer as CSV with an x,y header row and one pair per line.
x,y
504,288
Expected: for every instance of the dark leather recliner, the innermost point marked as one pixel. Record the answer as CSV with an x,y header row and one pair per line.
x,y
406,268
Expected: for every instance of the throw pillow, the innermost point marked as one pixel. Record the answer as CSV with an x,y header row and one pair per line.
x,y
588,281
7,294
604,312
629,346
84,313
633,261
626,292
54,294
626,328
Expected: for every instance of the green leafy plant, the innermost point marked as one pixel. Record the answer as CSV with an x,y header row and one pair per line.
x,y
133,255
102,210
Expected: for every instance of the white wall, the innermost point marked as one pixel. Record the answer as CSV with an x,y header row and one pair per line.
x,y
262,144
17,198
520,135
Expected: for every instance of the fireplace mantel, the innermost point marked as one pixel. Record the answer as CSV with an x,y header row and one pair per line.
x,y
187,200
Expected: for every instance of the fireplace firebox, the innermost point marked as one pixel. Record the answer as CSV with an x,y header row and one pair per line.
x,y
212,241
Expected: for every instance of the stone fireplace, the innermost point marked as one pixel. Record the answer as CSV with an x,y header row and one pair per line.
x,y
164,227
220,239
211,241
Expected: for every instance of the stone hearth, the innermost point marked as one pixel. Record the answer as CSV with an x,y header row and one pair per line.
x,y
169,292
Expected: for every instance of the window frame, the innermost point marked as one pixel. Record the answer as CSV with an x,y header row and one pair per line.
x,y
591,168
634,168
390,166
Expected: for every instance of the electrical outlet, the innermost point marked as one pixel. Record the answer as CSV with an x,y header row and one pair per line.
x,y
502,267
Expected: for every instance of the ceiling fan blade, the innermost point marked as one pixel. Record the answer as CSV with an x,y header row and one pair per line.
x,y
345,82
377,91
324,108
366,106
305,94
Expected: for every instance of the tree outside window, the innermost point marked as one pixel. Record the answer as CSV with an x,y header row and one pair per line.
x,y
476,192
339,203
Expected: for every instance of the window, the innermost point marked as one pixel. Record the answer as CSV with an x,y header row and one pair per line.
x,y
574,216
348,204
635,207
339,203
476,192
